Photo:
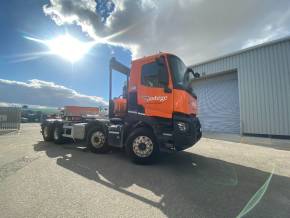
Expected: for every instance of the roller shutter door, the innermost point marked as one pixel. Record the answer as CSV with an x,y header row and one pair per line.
x,y
218,101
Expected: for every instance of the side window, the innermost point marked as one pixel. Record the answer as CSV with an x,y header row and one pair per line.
x,y
150,74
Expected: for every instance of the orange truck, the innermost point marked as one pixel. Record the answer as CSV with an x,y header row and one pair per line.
x,y
157,110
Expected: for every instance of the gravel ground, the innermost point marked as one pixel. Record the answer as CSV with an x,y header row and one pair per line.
x,y
215,178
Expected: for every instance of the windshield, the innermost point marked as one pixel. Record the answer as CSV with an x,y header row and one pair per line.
x,y
178,69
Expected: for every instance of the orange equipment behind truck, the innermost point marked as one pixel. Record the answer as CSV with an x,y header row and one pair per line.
x,y
76,111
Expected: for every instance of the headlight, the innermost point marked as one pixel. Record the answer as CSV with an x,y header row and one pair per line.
x,y
182,126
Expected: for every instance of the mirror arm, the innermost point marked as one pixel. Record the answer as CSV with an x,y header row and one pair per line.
x,y
195,75
167,90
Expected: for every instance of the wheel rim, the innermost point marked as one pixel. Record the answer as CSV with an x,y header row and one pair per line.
x,y
55,134
143,146
98,139
45,132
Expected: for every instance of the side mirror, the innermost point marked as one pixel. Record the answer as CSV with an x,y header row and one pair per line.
x,y
196,75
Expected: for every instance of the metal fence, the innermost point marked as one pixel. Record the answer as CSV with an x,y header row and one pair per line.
x,y
10,118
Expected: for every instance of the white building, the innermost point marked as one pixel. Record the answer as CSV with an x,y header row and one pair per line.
x,y
247,92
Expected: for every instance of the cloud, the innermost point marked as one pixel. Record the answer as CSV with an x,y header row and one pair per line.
x,y
277,29
195,30
38,92
5,104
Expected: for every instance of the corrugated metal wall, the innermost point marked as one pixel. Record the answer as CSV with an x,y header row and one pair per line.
x,y
264,86
10,118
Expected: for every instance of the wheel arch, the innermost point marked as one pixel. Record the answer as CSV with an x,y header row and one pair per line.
x,y
136,125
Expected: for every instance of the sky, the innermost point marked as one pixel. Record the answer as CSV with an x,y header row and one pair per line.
x,y
195,30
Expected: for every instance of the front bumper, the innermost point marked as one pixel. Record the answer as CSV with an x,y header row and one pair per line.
x,y
185,139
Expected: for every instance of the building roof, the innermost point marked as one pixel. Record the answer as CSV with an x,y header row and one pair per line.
x,y
244,50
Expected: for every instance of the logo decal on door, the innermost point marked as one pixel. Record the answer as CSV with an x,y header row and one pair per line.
x,y
152,99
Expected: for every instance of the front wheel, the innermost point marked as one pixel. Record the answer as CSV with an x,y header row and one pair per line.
x,y
142,146
97,141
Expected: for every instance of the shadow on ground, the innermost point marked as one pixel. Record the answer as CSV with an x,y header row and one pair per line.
x,y
188,185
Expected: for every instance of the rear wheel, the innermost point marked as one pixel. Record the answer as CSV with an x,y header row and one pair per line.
x,y
57,135
142,146
47,133
97,140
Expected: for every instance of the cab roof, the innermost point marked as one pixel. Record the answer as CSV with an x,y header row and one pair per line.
x,y
152,56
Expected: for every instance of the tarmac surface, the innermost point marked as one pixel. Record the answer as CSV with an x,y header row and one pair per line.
x,y
215,178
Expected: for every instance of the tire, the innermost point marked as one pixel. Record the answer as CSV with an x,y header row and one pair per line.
x,y
57,135
47,132
142,146
97,140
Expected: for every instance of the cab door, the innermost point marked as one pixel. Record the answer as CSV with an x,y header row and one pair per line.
x,y
155,92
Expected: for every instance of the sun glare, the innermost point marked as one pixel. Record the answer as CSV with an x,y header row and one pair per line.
x,y
66,46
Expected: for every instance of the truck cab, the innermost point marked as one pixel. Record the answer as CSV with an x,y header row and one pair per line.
x,y
157,110
159,95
